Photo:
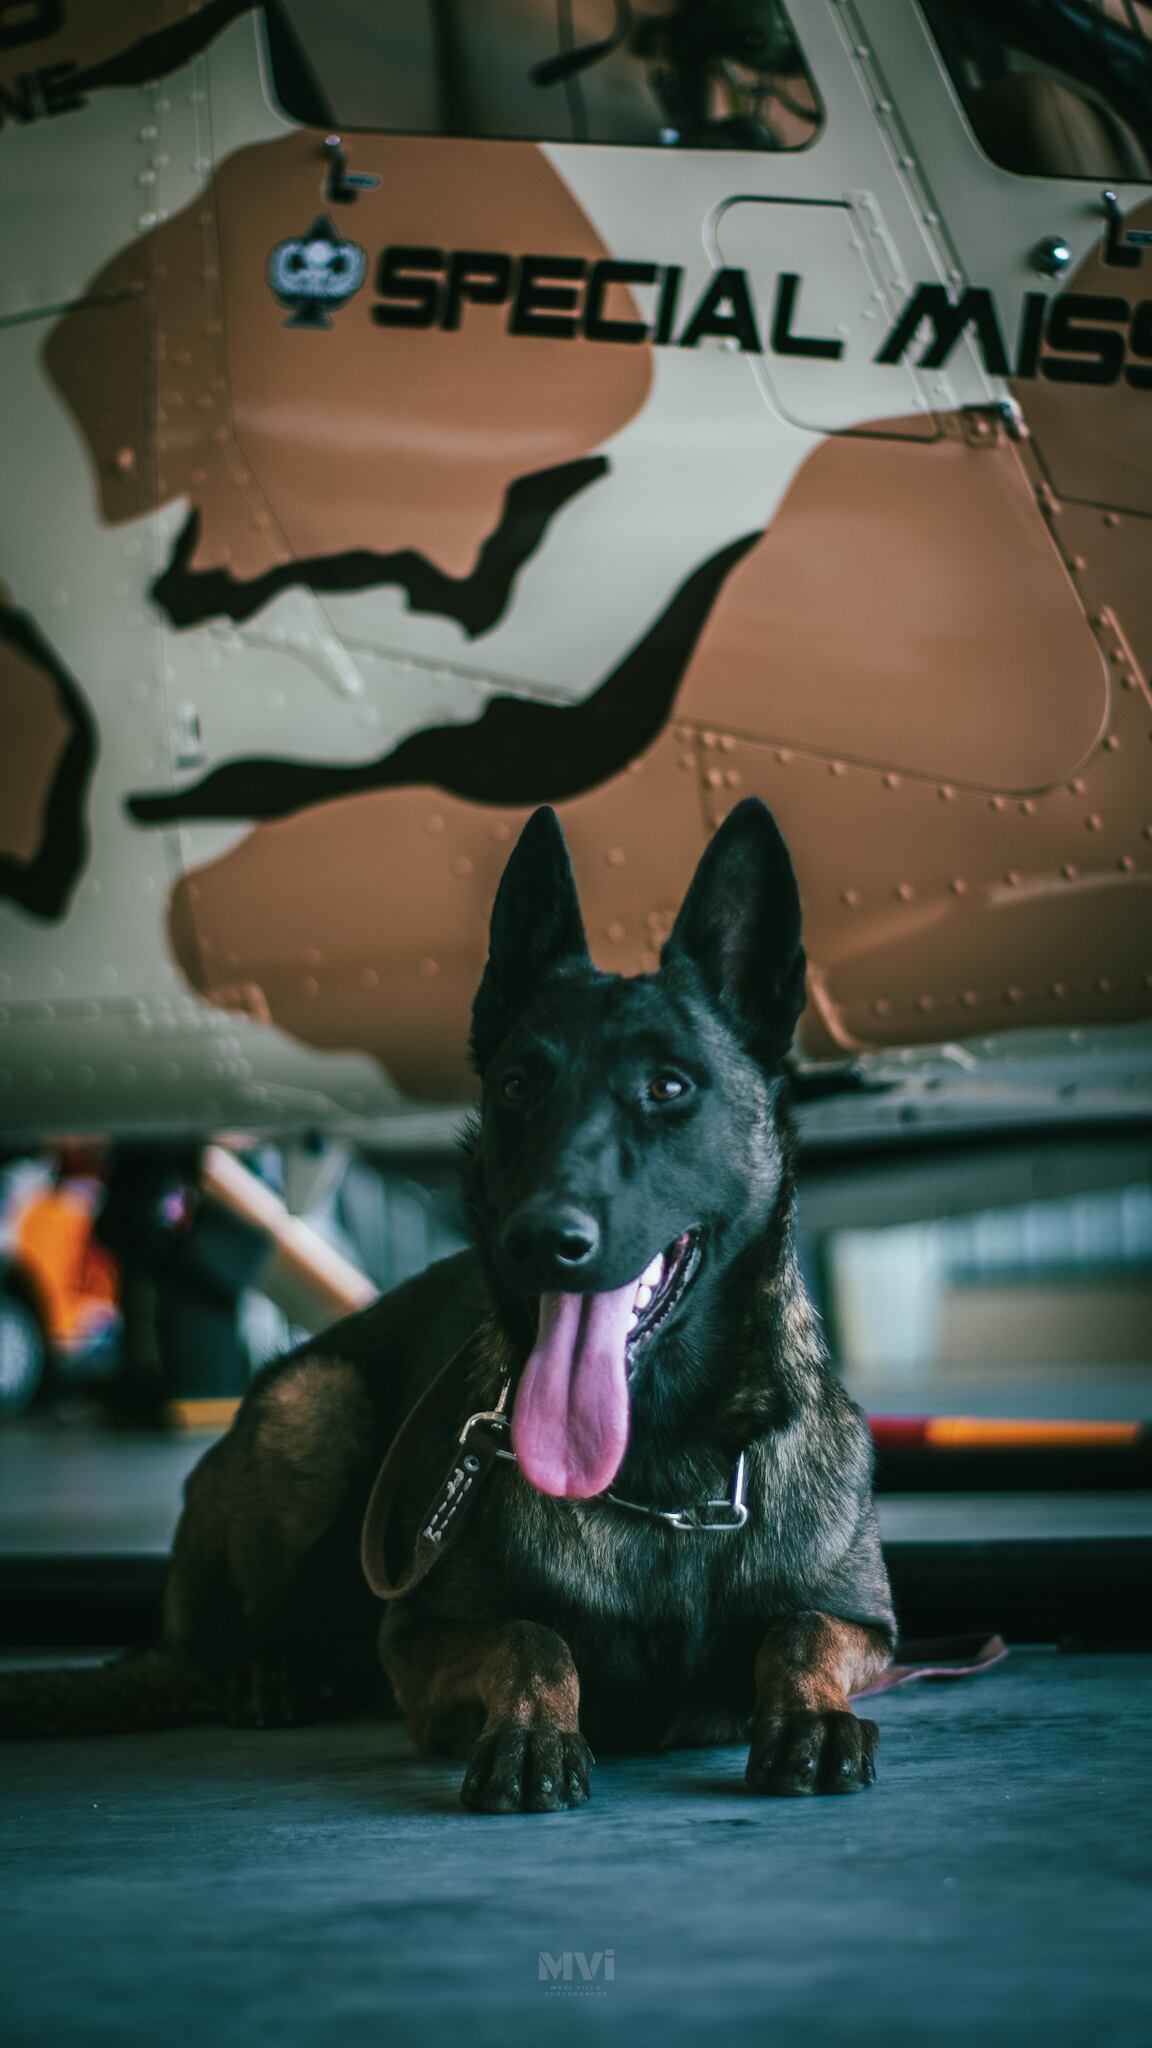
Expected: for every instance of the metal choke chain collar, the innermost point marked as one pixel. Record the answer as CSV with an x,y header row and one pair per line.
x,y
729,1512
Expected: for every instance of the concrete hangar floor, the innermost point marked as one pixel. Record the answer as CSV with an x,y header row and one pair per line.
x,y
323,1885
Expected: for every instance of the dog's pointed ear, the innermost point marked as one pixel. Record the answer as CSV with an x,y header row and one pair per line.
x,y
536,926
739,927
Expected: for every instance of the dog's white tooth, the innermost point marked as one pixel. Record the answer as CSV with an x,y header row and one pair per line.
x,y
643,1295
653,1274
633,1320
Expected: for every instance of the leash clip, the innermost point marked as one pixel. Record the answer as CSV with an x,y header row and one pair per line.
x,y
494,1423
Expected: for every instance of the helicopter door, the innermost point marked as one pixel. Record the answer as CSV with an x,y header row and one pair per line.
x,y
838,235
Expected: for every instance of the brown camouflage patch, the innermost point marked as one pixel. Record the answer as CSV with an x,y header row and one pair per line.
x,y
423,431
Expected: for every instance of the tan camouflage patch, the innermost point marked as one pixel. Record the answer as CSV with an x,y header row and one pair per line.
x,y
296,442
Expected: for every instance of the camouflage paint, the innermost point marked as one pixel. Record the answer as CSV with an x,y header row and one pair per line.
x,y
425,466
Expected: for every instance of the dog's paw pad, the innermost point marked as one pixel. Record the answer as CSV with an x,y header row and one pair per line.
x,y
519,1768
793,1755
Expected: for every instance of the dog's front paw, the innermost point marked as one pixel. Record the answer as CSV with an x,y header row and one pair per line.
x,y
807,1752
517,1767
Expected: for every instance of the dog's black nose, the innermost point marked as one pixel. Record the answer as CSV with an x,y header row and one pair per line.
x,y
551,1242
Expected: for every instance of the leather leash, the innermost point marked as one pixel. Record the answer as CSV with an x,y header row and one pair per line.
x,y
479,1443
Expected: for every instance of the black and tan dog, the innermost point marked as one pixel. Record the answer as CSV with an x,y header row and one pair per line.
x,y
683,1547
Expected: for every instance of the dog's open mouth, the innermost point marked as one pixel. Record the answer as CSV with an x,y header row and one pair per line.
x,y
571,1413
660,1287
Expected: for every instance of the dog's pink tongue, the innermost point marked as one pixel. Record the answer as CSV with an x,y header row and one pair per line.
x,y
570,1421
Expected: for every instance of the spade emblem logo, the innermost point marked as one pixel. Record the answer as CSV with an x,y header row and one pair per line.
x,y
314,273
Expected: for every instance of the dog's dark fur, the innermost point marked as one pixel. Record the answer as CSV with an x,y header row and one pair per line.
x,y
557,1620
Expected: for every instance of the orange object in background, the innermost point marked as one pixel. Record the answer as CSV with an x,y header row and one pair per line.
x,y
982,1433
74,1277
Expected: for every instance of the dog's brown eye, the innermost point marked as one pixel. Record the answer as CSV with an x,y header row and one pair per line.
x,y
513,1087
666,1087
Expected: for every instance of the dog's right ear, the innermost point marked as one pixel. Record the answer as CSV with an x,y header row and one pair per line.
x,y
536,925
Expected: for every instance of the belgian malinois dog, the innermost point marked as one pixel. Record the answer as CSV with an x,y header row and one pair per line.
x,y
654,1522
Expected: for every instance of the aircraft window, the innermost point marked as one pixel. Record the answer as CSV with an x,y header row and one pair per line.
x,y
1053,88
701,74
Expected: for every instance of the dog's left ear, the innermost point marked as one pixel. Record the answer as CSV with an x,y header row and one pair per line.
x,y
536,926
739,926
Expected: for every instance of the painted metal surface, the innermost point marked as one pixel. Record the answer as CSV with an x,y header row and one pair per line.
x,y
305,608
